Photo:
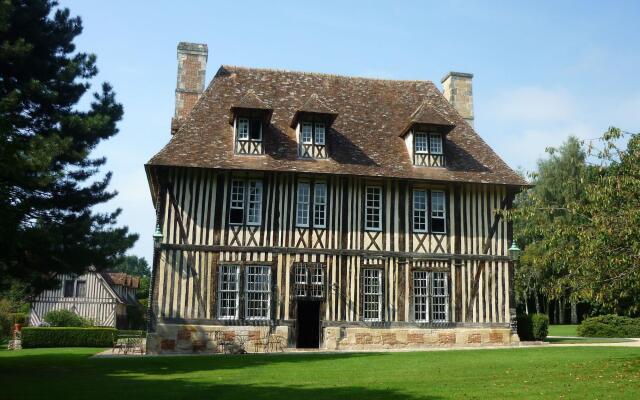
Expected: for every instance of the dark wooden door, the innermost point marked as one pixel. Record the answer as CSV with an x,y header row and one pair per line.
x,y
308,325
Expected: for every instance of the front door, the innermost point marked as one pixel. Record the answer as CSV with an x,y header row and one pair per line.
x,y
308,324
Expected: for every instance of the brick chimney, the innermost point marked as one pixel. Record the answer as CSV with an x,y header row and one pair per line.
x,y
457,89
192,66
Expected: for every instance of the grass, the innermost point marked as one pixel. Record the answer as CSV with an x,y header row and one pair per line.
x,y
580,372
579,340
563,330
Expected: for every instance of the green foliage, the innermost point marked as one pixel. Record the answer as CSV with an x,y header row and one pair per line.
x,y
48,182
133,265
136,317
5,325
67,337
533,326
65,318
611,326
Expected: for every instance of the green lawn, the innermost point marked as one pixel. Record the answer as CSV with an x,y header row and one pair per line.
x,y
563,330
578,340
603,372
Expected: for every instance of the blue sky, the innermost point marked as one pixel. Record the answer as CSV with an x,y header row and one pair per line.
x,y
542,70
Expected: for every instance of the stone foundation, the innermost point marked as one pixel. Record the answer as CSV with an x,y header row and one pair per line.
x,y
336,338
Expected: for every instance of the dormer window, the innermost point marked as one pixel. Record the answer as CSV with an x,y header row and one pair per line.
x,y
248,136
435,143
249,116
427,149
312,140
424,136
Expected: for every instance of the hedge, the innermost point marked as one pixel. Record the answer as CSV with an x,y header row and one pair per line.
x,y
533,326
612,326
67,337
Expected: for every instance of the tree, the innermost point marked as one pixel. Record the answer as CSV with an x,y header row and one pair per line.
x,y
48,182
138,266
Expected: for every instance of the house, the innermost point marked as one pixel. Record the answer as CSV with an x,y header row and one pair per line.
x,y
101,297
339,212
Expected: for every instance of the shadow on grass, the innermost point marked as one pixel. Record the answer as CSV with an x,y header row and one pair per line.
x,y
64,374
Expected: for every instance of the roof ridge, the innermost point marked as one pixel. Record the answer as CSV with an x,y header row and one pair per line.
x,y
322,74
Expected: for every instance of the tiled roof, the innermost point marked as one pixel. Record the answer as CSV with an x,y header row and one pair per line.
x,y
121,278
364,139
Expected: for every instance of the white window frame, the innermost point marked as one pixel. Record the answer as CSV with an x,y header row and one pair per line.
x,y
420,211
371,294
303,201
257,293
241,133
438,143
421,296
301,279
233,298
320,205
422,147
254,202
317,282
439,213
372,209
319,132
237,199
439,308
303,138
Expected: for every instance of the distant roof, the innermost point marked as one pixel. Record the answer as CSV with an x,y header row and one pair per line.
x,y
121,278
364,139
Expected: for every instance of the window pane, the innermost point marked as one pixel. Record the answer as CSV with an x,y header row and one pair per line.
x,y
258,292
228,291
320,205
373,208
236,210
317,282
81,289
439,297
254,210
420,210
243,129
421,296
372,295
302,213
319,133
256,130
68,287
301,281
420,142
435,143
438,216
306,133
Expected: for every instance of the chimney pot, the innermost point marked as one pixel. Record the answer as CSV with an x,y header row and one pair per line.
x,y
192,67
457,89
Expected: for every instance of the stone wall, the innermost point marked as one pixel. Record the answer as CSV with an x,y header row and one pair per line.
x,y
414,338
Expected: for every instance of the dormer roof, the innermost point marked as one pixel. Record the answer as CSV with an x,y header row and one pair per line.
x,y
426,116
251,105
315,109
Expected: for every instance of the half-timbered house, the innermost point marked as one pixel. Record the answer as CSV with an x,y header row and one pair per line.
x,y
339,212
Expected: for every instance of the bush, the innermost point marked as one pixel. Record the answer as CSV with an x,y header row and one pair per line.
x,y
533,326
65,318
5,325
67,337
612,326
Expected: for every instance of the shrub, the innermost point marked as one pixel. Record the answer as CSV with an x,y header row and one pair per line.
x,y
533,326
65,318
5,325
613,326
67,337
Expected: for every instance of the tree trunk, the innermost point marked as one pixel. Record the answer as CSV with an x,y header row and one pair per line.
x,y
561,311
537,303
574,313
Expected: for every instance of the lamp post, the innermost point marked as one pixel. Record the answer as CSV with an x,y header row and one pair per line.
x,y
157,238
514,251
514,255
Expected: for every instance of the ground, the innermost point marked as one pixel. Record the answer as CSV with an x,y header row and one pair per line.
x,y
542,372
563,330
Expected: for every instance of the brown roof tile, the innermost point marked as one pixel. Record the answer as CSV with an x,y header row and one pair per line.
x,y
362,141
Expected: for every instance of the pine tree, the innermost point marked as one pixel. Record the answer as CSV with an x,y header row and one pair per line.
x,y
49,183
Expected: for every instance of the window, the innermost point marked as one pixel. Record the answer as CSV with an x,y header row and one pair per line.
x,y
319,205
249,129
309,281
81,289
254,210
301,281
372,295
243,129
317,282
69,286
238,202
419,210
439,297
437,212
258,292
435,143
421,296
228,291
373,208
421,142
307,133
302,213
319,133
